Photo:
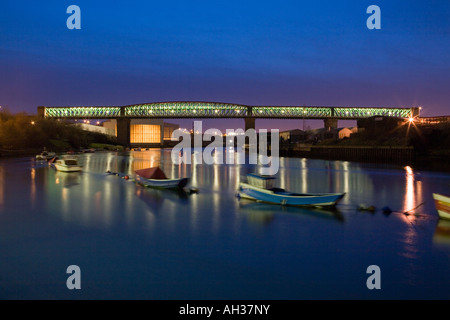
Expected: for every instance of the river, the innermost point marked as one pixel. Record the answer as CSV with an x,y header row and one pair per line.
x,y
131,242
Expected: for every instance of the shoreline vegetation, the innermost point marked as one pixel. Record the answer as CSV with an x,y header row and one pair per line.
x,y
22,134
389,142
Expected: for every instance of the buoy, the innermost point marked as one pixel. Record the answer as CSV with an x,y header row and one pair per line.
x,y
386,210
126,177
363,207
193,190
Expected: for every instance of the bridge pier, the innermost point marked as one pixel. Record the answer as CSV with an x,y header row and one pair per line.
x,y
330,124
415,112
41,111
249,123
123,131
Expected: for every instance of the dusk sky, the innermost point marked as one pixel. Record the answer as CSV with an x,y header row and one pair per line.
x,y
244,52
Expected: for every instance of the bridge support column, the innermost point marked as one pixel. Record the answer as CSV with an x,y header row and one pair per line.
x,y
162,135
330,124
249,123
123,131
41,111
415,112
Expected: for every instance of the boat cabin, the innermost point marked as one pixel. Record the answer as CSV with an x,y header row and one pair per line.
x,y
68,162
261,181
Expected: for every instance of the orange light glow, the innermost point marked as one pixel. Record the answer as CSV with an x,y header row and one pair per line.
x,y
410,200
409,170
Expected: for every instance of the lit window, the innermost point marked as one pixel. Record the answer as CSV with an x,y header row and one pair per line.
x,y
144,133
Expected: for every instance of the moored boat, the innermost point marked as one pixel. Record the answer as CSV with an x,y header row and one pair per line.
x,y
45,155
442,205
261,188
67,164
156,178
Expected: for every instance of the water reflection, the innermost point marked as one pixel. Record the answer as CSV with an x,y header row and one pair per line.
x,y
2,184
99,197
410,196
442,233
264,212
155,198
67,179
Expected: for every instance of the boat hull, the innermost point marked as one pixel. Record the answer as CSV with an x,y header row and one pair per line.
x,y
64,168
442,205
308,200
162,183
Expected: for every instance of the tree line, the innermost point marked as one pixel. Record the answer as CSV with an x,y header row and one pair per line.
x,y
23,131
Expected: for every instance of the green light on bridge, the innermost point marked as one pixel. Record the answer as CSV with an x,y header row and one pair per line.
x,y
221,110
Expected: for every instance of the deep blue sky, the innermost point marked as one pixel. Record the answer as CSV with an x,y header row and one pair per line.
x,y
248,52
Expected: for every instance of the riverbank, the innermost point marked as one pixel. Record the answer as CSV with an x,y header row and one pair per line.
x,y
31,152
378,154
405,156
19,153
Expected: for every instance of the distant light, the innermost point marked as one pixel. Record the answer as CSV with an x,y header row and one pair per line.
x,y
411,120
32,122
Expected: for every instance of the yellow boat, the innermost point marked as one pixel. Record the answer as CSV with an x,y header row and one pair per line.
x,y
442,205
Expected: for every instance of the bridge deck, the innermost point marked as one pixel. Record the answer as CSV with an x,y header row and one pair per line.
x,y
220,110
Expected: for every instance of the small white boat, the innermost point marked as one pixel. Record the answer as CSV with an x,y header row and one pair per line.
x,y
67,164
260,188
155,177
45,155
442,205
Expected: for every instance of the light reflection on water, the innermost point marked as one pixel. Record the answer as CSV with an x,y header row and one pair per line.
x,y
2,183
251,250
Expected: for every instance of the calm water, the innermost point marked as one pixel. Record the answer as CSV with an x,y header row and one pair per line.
x,y
137,243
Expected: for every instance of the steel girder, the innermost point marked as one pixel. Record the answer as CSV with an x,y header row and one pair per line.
x,y
220,110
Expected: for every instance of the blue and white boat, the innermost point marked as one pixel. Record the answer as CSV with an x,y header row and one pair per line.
x,y
261,188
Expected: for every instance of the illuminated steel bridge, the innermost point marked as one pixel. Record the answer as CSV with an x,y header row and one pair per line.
x,y
220,110
171,110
